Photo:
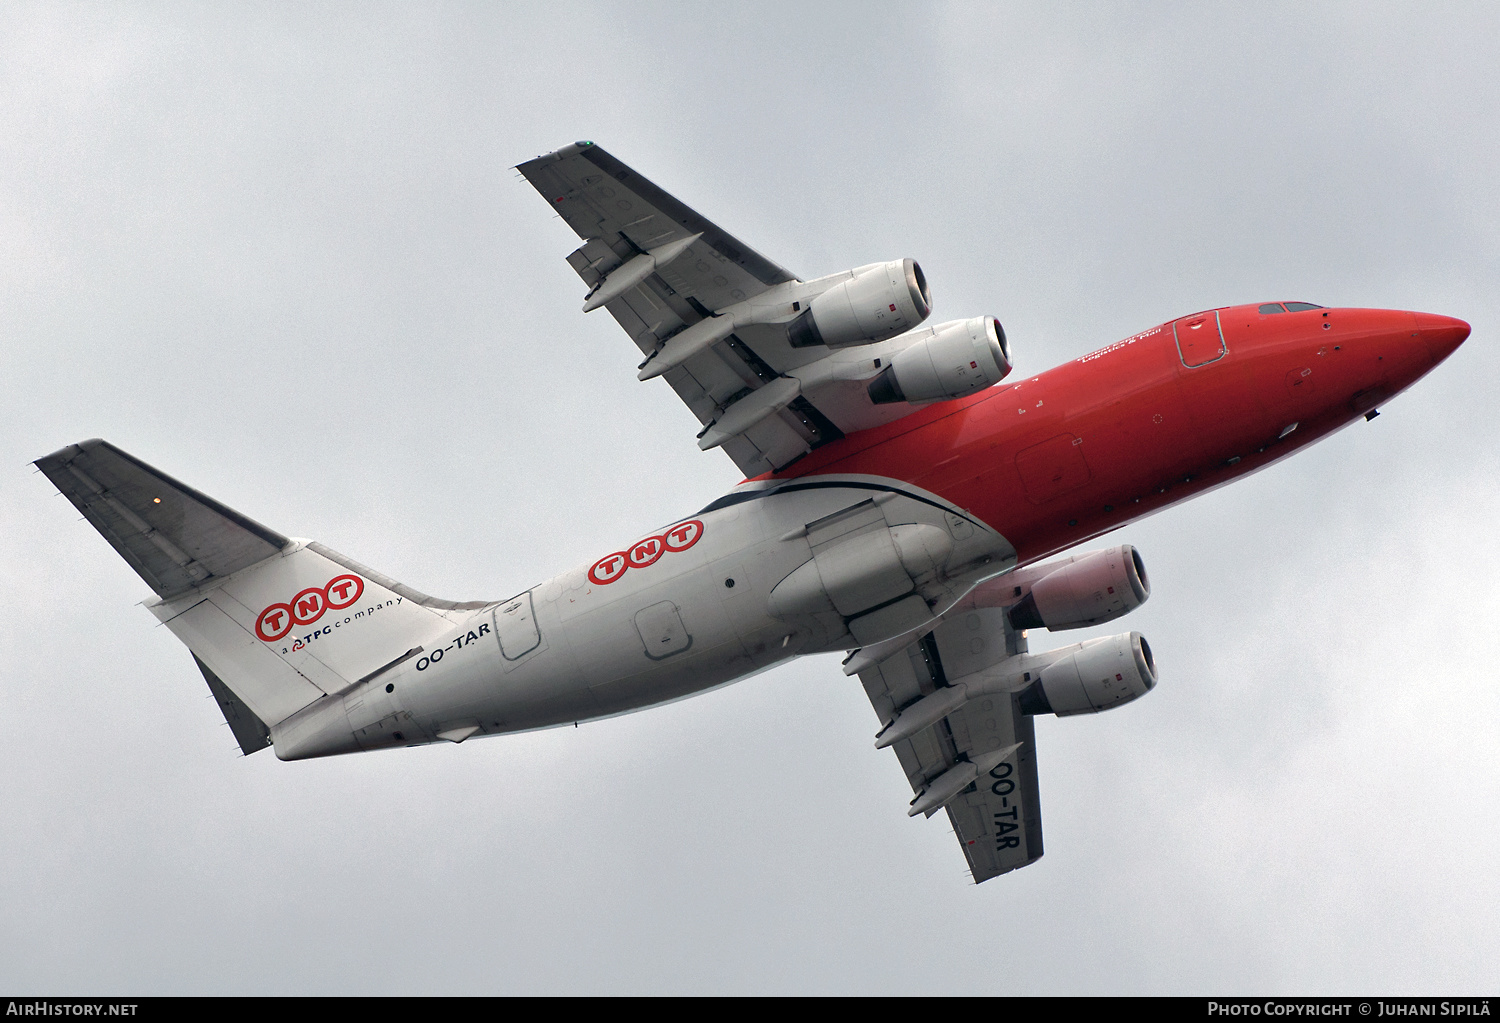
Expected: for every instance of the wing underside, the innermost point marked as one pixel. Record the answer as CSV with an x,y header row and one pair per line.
x,y
997,818
622,218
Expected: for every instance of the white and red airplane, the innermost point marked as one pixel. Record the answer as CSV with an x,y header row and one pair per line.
x,y
899,503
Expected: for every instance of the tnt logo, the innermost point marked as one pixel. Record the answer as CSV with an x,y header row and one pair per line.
x,y
646,553
308,606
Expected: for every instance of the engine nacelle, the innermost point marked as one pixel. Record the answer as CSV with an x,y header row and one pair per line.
x,y
877,303
958,359
1099,674
1089,590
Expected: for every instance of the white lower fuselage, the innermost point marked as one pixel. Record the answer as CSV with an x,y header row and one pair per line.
x,y
682,621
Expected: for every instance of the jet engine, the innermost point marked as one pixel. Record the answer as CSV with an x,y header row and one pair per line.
x,y
1085,678
1099,674
1089,590
876,303
958,359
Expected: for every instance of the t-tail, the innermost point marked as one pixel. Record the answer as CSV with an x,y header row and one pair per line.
x,y
274,623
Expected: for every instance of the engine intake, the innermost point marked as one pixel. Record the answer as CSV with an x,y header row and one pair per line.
x,y
960,358
877,303
1100,674
1089,590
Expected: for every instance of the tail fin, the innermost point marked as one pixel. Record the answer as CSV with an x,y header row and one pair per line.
x,y
274,623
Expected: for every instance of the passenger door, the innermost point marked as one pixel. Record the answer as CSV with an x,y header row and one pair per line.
x,y
516,629
1200,339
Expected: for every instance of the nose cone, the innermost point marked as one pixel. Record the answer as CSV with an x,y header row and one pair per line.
x,y
1443,334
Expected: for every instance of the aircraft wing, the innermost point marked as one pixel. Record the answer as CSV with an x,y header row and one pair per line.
x,y
997,817
660,268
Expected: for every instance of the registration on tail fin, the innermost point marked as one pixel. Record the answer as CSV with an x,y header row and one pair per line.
x,y
274,623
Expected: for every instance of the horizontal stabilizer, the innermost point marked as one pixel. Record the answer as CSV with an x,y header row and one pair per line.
x,y
173,536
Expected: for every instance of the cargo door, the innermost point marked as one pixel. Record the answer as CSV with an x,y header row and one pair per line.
x,y
661,630
1052,468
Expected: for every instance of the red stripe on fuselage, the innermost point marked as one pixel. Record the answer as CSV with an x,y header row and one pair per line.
x,y
1083,448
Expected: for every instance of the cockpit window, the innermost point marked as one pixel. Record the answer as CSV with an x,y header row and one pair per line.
x,y
1300,307
1271,307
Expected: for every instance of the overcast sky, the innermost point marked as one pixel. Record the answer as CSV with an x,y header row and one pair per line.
x,y
280,253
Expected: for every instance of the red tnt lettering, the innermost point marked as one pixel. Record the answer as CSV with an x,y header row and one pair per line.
x,y
308,606
683,536
609,568
274,622
646,552
342,591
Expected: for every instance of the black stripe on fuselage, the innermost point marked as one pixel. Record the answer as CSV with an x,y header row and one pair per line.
x,y
742,496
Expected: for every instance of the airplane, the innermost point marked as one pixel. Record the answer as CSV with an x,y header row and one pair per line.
x,y
903,501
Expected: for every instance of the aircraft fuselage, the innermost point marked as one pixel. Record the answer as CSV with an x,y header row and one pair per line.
x,y
951,495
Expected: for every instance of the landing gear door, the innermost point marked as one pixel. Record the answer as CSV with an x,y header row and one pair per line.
x,y
516,629
1200,340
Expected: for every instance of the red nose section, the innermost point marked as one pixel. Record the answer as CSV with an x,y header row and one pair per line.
x,y
1443,334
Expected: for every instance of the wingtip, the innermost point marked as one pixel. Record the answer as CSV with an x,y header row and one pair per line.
x,y
69,452
571,149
